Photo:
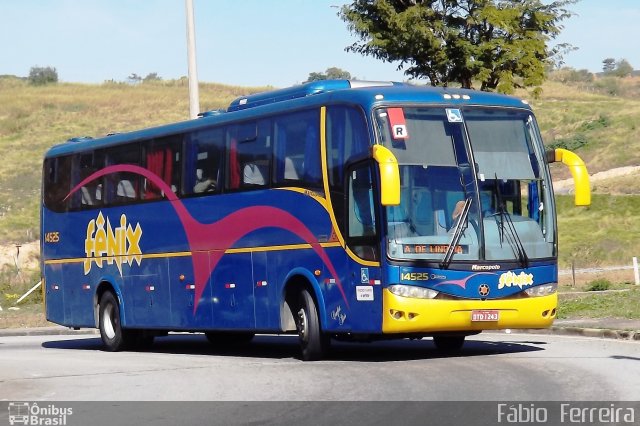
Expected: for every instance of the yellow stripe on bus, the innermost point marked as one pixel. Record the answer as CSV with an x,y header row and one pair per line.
x,y
188,253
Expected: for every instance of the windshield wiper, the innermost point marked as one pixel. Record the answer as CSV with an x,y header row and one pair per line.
x,y
457,233
513,239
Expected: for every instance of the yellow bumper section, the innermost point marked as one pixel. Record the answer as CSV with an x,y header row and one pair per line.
x,y
409,315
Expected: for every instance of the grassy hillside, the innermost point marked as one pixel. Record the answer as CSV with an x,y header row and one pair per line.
x,y
603,128
32,119
605,233
598,122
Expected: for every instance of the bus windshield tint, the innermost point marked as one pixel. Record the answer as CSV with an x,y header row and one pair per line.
x,y
509,216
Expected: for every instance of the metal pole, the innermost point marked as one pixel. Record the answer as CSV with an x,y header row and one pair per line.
x,y
635,270
29,292
194,96
17,259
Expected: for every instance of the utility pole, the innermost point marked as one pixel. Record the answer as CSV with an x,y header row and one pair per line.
x,y
194,95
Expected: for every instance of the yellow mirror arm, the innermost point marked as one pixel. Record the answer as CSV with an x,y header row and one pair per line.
x,y
580,175
389,175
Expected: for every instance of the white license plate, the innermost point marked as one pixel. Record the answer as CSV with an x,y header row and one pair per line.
x,y
485,315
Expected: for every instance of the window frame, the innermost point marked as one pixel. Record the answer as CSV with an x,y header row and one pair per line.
x,y
359,244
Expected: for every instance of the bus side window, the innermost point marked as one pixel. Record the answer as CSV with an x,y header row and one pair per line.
x,y
164,159
90,194
57,183
204,161
123,187
298,149
346,137
250,155
361,217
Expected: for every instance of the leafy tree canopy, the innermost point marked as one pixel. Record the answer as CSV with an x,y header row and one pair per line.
x,y
608,65
39,76
500,43
623,68
134,78
619,68
332,73
152,76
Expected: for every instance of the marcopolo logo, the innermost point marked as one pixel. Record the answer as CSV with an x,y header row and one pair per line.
x,y
104,243
485,267
26,413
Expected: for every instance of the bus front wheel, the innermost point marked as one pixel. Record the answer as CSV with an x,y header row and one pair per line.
x,y
114,337
313,342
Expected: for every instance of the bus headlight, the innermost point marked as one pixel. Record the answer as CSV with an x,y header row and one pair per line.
x,y
542,290
412,291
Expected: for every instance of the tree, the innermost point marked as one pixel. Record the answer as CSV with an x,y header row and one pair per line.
x,y
316,76
500,43
152,76
134,78
39,76
608,65
623,68
332,73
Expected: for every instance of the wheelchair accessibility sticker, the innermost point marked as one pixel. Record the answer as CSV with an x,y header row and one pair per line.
x,y
364,275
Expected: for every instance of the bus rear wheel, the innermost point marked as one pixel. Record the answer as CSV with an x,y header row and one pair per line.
x,y
448,343
313,342
114,337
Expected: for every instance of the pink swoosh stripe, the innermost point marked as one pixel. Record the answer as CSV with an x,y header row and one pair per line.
x,y
223,233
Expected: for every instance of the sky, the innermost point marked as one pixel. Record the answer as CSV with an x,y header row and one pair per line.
x,y
243,42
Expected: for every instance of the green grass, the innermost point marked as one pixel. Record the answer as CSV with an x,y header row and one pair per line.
x,y
32,119
603,128
624,305
13,285
605,233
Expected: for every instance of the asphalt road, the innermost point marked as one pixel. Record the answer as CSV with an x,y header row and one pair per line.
x,y
491,366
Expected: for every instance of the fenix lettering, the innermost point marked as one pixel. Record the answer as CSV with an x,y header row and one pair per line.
x,y
106,244
509,279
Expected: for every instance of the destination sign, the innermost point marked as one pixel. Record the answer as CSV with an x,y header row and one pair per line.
x,y
432,249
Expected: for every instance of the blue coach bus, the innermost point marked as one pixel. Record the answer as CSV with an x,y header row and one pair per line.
x,y
334,210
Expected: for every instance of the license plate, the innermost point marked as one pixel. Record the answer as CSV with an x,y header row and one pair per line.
x,y
478,316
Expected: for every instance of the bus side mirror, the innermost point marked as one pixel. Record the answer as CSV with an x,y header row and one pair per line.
x,y
389,175
578,171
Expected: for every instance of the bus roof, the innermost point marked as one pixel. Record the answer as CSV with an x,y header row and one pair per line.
x,y
366,94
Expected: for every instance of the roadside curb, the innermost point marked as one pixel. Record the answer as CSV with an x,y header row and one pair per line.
x,y
45,331
602,333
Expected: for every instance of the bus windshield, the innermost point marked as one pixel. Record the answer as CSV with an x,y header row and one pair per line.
x,y
508,217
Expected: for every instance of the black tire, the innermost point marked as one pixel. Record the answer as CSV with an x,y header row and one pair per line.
x,y
114,337
448,343
313,343
234,338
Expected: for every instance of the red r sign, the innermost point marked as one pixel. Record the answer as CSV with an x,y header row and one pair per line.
x,y
398,124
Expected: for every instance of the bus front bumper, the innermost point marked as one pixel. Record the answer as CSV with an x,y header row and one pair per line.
x,y
411,315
